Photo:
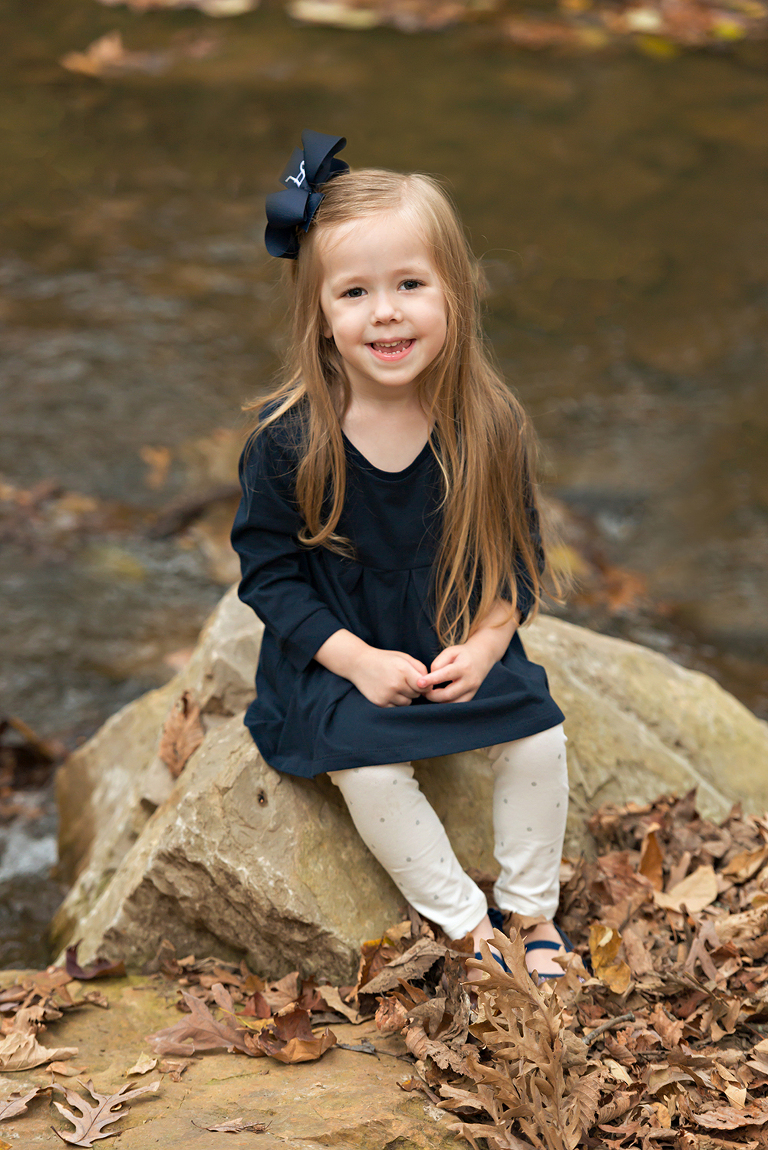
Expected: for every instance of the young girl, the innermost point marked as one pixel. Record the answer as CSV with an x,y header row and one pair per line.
x,y
388,537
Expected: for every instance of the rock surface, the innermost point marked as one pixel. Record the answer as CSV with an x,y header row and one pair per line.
x,y
234,859
348,1101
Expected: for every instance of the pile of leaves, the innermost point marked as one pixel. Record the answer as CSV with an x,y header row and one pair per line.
x,y
663,1041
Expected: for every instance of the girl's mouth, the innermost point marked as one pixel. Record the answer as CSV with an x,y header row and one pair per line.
x,y
391,349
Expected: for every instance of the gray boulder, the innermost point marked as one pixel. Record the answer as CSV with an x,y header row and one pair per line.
x,y
234,859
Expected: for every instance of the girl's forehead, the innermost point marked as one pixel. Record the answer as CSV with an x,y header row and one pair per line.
x,y
393,231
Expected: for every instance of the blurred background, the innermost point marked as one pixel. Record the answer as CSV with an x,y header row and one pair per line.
x,y
610,161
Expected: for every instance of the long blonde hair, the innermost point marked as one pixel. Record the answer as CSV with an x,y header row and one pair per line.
x,y
483,441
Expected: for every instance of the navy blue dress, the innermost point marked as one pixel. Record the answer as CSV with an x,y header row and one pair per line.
x,y
306,720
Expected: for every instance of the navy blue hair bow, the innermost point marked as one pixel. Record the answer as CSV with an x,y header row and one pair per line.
x,y
294,208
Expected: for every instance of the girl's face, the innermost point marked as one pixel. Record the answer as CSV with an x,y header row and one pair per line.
x,y
382,303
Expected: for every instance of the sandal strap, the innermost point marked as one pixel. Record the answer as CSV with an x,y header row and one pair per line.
x,y
542,944
498,958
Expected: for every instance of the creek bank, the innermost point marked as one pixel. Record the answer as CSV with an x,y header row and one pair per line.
x,y
349,1100
232,858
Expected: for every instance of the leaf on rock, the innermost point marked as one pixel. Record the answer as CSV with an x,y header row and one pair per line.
x,y
90,1120
101,968
23,1051
236,1126
142,1066
697,891
182,734
16,1104
289,1038
198,1030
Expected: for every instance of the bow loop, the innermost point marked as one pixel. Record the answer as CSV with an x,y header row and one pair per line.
x,y
309,167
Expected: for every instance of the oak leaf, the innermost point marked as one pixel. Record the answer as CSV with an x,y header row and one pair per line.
x,y
89,1123
16,1104
182,734
199,1030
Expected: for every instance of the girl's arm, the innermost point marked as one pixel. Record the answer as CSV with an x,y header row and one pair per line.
x,y
265,535
465,666
274,584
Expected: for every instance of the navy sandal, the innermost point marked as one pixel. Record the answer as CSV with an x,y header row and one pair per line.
x,y
545,944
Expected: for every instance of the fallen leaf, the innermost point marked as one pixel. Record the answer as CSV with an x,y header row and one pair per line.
x,y
289,1038
182,734
23,1051
142,1066
236,1126
746,864
101,968
89,1123
729,1118
604,946
651,864
697,891
16,1104
334,1001
198,1030
66,1070
413,964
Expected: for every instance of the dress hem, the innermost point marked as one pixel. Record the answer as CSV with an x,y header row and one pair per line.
x,y
309,770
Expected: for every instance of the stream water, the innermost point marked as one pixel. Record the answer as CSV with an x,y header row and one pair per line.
x,y
619,203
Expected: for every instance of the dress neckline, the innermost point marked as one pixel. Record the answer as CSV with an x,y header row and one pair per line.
x,y
378,471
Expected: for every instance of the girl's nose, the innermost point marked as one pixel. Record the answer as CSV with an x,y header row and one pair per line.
x,y
385,308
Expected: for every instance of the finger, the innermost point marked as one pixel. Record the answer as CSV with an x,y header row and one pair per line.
x,y
444,658
444,675
446,694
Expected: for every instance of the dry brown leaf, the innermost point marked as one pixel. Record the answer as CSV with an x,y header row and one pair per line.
x,y
109,56
651,864
182,734
334,1001
746,864
66,1070
416,961
604,946
198,1030
754,1113
289,1038
100,968
23,1051
142,1066
695,892
90,1120
236,1126
16,1104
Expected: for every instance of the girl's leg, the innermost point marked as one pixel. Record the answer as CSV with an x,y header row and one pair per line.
x,y
402,831
530,805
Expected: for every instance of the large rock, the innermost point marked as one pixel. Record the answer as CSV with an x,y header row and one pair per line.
x,y
235,859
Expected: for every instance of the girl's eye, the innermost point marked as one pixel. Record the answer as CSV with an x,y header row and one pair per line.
x,y
409,285
354,293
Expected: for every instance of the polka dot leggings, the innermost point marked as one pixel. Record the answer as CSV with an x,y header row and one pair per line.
x,y
530,803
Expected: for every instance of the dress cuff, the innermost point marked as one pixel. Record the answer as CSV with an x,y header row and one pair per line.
x,y
300,646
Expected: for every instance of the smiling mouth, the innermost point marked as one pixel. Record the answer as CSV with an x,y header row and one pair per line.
x,y
392,349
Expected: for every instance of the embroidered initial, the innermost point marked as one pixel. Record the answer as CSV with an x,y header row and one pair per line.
x,y
298,180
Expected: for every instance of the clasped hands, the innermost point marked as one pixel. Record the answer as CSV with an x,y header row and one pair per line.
x,y
395,678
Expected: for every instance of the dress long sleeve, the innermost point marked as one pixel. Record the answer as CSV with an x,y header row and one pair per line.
x,y
272,562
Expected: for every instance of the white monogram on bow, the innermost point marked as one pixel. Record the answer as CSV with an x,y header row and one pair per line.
x,y
298,180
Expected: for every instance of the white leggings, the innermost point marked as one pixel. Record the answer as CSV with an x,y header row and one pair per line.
x,y
530,804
